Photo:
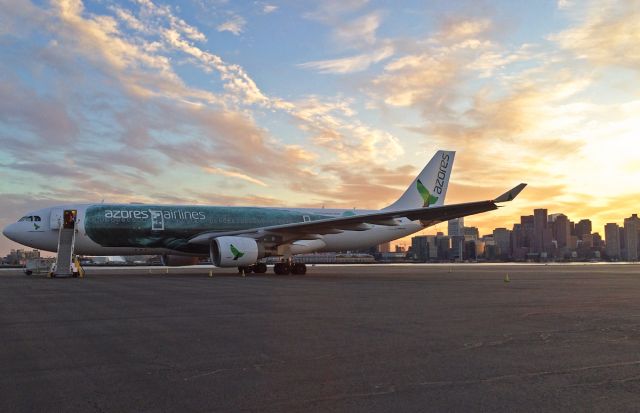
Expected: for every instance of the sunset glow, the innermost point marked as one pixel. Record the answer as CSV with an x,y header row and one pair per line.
x,y
334,103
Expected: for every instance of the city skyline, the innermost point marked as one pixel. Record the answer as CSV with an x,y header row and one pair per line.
x,y
536,237
337,103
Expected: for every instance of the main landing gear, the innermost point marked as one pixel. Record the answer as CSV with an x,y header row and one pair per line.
x,y
280,268
284,268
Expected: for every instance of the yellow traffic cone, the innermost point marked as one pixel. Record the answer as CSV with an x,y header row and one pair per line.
x,y
507,279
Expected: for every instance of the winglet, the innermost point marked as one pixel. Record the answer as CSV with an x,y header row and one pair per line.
x,y
510,194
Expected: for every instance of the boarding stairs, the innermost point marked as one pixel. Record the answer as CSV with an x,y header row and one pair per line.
x,y
66,243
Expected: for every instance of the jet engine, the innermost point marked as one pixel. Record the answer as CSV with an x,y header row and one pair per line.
x,y
178,260
234,251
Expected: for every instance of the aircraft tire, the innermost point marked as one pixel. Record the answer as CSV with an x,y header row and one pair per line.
x,y
260,268
299,268
281,268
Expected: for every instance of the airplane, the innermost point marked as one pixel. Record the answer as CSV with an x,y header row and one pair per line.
x,y
241,236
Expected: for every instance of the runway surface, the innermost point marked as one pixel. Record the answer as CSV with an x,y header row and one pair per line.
x,y
362,338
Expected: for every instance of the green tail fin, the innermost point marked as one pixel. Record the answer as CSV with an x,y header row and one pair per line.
x,y
425,194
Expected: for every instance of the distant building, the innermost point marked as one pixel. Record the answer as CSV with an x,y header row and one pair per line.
x,y
597,240
573,243
527,231
469,250
456,234
471,233
20,256
631,229
420,248
583,227
519,248
502,239
480,245
561,230
539,227
612,241
443,243
456,227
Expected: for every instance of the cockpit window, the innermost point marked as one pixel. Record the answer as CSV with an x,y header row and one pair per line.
x,y
36,218
26,219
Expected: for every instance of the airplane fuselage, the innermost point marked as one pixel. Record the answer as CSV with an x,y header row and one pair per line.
x,y
143,229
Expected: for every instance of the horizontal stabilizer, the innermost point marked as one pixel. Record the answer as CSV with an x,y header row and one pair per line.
x,y
510,194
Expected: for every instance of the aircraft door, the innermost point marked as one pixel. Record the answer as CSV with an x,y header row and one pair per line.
x,y
56,218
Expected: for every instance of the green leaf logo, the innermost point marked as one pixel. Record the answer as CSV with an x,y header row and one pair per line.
x,y
36,226
236,252
426,196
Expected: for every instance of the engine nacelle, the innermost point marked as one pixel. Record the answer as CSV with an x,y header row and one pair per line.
x,y
178,260
234,251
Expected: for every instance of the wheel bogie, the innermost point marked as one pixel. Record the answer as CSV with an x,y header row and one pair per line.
x,y
260,268
281,268
298,268
285,268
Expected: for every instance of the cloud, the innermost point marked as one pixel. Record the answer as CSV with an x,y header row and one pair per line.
x,y
208,130
332,126
457,29
234,174
350,64
360,31
51,170
564,4
234,25
367,188
608,35
44,118
330,10
269,8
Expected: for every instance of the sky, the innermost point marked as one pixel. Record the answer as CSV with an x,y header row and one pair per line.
x,y
337,103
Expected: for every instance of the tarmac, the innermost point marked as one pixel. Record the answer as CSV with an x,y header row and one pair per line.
x,y
371,338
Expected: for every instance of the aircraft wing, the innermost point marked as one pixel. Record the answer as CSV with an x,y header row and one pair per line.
x,y
315,229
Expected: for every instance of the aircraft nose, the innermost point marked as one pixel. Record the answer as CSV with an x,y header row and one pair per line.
x,y
10,231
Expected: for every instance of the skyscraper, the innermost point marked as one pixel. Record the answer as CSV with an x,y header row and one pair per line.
x,y
456,233
471,233
561,230
612,239
456,227
502,239
583,227
420,248
631,228
539,227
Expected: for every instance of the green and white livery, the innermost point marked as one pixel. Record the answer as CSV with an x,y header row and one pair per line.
x,y
242,236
